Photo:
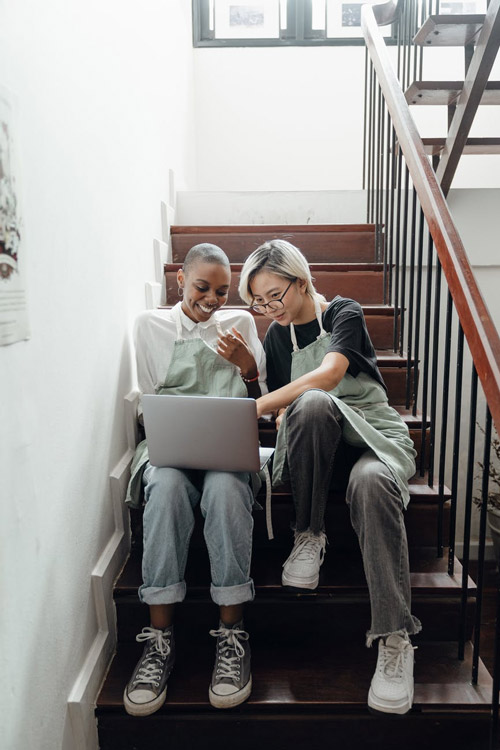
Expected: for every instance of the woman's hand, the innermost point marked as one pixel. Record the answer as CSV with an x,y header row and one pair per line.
x,y
233,347
279,418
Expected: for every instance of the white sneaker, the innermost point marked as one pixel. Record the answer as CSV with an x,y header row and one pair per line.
x,y
301,569
391,689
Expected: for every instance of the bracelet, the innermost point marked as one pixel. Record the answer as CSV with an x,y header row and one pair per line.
x,y
250,380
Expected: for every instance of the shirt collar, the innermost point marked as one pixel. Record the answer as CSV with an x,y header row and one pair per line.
x,y
190,324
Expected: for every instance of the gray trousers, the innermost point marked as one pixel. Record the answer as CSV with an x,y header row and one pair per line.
x,y
314,436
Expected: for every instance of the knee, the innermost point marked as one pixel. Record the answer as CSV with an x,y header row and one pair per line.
x,y
226,495
372,488
314,405
163,482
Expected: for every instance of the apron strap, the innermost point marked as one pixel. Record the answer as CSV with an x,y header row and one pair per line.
x,y
178,322
319,318
269,520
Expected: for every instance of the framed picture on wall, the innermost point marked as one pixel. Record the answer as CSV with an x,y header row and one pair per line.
x,y
343,19
234,19
267,23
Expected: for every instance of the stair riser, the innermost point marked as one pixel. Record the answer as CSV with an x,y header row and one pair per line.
x,y
320,617
380,328
420,519
268,439
318,247
172,731
363,286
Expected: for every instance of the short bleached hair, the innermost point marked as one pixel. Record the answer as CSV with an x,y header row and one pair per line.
x,y
279,257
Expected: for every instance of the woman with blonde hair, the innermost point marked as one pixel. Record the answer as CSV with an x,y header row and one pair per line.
x,y
329,399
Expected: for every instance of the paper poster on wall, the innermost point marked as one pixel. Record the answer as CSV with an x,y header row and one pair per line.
x,y
13,313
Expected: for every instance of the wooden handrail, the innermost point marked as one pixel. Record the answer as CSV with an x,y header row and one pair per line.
x,y
388,12
479,329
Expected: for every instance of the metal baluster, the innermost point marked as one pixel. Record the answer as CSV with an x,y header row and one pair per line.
x,y
387,193
373,151
391,231
434,374
482,544
444,412
468,513
416,355
411,299
380,150
425,377
365,120
456,448
397,237
403,260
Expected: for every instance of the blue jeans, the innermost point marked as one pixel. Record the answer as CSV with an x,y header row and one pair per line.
x,y
314,433
226,502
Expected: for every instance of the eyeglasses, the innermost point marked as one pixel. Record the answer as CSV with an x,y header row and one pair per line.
x,y
274,305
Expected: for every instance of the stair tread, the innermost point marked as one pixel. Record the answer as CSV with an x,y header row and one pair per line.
x,y
333,677
258,228
449,30
419,487
413,421
447,92
341,574
342,267
368,309
472,146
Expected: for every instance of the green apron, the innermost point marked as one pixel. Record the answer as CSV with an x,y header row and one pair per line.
x,y
196,370
368,420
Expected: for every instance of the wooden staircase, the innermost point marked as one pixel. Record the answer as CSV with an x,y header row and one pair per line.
x,y
311,670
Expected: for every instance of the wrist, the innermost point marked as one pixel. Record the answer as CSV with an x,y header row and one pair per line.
x,y
251,376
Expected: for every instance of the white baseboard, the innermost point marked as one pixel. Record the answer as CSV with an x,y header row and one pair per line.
x,y
81,701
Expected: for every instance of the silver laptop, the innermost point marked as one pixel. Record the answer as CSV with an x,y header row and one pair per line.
x,y
203,432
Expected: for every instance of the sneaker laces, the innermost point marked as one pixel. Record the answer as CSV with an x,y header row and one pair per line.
x,y
392,660
150,671
230,651
306,546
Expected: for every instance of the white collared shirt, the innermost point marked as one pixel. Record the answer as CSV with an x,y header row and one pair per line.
x,y
155,334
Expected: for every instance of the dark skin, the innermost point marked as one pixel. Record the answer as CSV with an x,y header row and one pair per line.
x,y
205,288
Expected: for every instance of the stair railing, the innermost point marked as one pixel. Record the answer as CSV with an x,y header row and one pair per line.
x,y
442,325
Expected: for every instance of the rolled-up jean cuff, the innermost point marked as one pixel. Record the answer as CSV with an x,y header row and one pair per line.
x,y
163,595
227,596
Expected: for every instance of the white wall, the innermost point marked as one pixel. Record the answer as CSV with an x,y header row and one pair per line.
x,y
284,118
291,118
104,91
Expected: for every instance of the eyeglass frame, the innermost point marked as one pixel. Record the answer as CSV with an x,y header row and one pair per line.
x,y
265,305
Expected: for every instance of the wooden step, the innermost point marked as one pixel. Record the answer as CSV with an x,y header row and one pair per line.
x,y
304,693
447,92
476,146
450,30
342,590
340,574
361,281
379,321
318,242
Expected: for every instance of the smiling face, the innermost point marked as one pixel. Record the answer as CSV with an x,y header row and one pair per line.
x,y
205,286
298,306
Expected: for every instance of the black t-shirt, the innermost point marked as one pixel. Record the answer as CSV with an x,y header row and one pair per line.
x,y
344,320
